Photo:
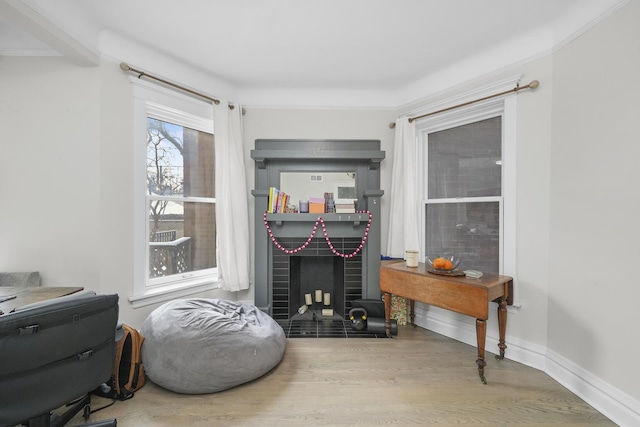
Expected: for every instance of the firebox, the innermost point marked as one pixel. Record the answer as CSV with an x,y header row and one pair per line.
x,y
316,269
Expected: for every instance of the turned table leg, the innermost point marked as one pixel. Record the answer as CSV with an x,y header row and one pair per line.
x,y
502,326
412,312
481,335
387,313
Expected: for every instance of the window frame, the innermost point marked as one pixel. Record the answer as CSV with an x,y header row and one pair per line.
x,y
152,100
505,107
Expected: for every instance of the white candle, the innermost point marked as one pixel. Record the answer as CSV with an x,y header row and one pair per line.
x,y
412,258
327,298
318,295
307,299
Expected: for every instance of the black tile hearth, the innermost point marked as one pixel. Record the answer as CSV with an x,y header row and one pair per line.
x,y
323,328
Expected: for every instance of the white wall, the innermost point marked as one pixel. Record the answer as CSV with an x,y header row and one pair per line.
x,y
50,174
595,202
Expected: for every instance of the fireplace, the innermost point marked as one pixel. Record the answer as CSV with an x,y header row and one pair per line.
x,y
316,269
282,279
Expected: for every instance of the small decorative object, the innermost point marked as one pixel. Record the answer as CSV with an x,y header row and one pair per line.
x,y
329,203
443,262
411,258
304,206
291,209
316,205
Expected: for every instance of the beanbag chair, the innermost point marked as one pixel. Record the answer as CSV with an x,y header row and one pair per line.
x,y
204,345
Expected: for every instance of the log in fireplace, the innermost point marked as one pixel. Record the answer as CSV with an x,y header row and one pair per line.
x,y
281,278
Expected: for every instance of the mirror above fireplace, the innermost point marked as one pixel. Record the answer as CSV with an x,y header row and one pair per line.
x,y
302,185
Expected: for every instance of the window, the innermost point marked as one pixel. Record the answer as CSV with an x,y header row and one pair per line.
x,y
468,185
463,203
175,235
181,203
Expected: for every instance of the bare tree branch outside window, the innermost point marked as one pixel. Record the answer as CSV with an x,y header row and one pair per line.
x,y
164,176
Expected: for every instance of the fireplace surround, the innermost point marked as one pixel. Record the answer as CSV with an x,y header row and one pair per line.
x,y
282,279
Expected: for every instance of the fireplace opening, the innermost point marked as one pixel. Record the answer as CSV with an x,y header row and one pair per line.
x,y
315,268
312,274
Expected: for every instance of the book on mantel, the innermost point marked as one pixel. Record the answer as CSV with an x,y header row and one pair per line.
x,y
345,206
272,200
277,201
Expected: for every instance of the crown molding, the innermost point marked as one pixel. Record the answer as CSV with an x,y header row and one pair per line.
x,y
25,17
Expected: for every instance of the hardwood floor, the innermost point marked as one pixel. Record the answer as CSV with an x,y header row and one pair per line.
x,y
416,378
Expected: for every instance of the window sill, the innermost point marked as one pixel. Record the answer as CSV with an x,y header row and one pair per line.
x,y
166,293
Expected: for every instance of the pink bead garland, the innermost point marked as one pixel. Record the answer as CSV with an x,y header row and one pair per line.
x,y
326,237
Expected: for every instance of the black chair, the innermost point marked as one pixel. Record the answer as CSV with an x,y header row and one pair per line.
x,y
54,353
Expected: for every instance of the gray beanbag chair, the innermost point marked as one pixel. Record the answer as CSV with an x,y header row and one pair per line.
x,y
204,345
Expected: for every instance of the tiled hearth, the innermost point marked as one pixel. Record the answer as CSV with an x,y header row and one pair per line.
x,y
323,328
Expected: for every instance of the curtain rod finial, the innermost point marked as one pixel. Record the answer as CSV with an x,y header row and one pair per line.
x,y
124,66
534,84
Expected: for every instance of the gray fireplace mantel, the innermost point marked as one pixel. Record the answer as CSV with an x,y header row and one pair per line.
x,y
274,156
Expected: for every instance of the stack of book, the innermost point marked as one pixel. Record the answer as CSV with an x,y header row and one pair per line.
x,y
278,200
345,206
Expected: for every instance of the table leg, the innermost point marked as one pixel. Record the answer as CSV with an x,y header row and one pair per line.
x,y
481,336
412,312
387,313
502,326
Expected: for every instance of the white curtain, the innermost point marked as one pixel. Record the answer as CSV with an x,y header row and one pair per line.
x,y
232,208
404,209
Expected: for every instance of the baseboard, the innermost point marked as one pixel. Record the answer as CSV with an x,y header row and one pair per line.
x,y
611,402
616,405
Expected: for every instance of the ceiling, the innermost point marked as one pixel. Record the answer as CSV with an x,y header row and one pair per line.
x,y
381,50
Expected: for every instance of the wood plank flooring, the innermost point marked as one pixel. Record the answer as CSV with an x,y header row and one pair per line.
x,y
416,378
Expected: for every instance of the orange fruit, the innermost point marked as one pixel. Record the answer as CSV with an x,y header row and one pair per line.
x,y
448,265
439,263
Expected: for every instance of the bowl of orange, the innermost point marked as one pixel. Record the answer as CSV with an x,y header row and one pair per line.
x,y
443,262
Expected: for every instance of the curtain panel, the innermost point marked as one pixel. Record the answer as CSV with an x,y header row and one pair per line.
x,y
232,208
405,201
